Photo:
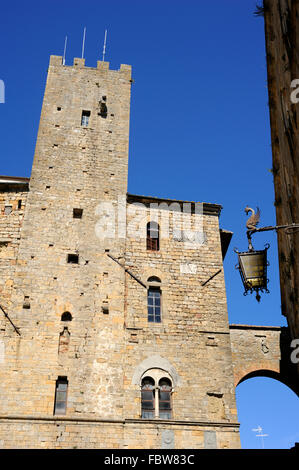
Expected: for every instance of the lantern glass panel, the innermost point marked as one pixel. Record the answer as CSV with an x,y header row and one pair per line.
x,y
253,266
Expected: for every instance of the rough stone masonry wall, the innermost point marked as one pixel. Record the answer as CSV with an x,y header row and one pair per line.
x,y
66,434
52,433
105,347
12,205
192,343
263,351
255,349
74,167
179,435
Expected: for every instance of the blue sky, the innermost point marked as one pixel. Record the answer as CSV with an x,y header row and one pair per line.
x,y
199,127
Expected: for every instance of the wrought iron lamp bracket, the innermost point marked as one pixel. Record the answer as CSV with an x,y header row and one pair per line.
x,y
288,228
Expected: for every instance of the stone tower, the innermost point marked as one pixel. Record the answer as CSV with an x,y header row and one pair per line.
x,y
122,337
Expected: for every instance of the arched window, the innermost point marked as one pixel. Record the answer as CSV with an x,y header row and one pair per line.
x,y
154,280
152,236
156,389
148,398
66,316
165,398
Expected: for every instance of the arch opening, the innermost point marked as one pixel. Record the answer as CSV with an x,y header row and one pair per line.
x,y
268,411
271,374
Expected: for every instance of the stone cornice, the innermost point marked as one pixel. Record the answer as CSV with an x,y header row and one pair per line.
x,y
171,422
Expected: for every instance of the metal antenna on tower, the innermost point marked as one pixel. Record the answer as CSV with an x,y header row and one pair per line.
x,y
260,430
65,42
104,48
83,42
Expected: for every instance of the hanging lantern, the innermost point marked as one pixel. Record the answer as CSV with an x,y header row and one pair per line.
x,y
253,270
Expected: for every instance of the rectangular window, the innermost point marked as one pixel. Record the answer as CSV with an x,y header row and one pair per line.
x,y
73,258
77,213
154,305
164,405
85,118
152,236
165,399
61,396
148,398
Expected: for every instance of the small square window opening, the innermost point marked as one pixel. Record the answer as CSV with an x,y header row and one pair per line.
x,y
77,213
7,210
73,258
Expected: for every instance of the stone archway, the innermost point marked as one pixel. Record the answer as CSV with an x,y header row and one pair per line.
x,y
263,351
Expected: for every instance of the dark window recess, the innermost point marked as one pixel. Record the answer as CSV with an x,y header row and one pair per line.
x,y
77,213
73,258
26,303
105,308
152,236
66,316
20,204
148,398
85,118
61,396
58,108
103,111
165,399
154,279
154,305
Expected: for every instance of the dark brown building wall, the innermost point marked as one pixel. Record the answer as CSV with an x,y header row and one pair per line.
x,y
282,46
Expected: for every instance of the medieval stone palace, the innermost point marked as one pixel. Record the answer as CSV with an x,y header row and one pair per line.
x,y
114,330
